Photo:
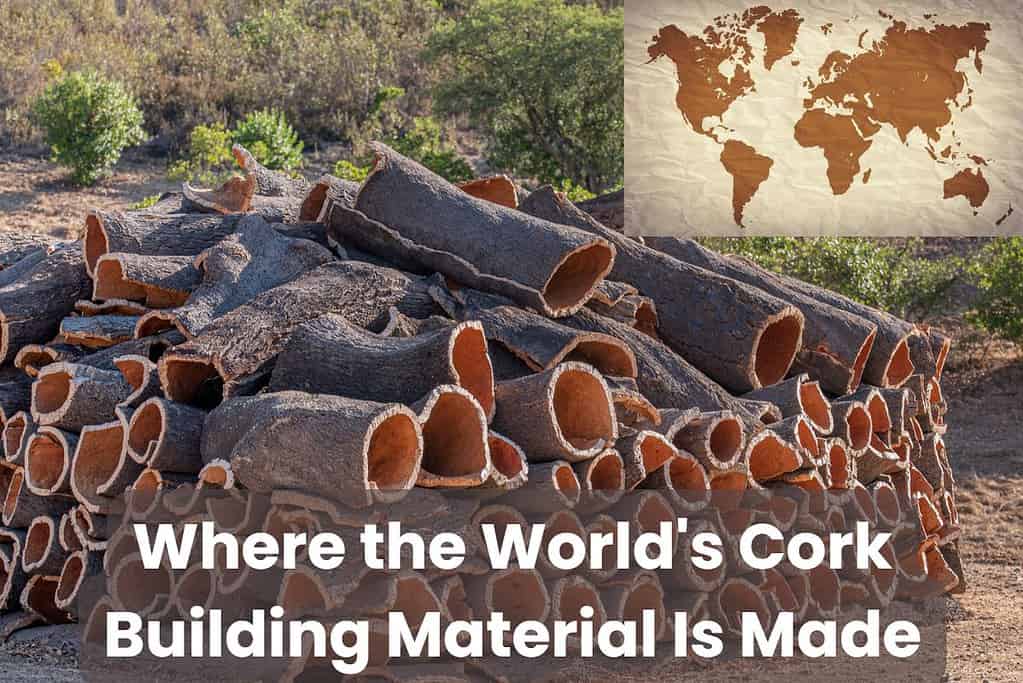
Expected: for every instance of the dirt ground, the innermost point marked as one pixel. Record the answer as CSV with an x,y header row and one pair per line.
x,y
983,383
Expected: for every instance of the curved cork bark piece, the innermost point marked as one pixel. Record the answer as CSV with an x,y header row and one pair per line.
x,y
166,436
237,349
234,196
330,355
34,299
684,479
539,342
41,552
156,281
511,469
609,293
15,246
12,579
39,597
17,431
96,460
66,534
519,594
632,408
798,396
643,452
876,405
797,432
21,506
852,424
498,189
559,275
456,451
602,478
840,466
716,439
142,376
269,183
326,192
48,461
145,592
634,310
151,347
98,331
564,413
338,448
78,567
569,595
33,357
769,456
183,234
553,486
928,349
629,594
836,343
663,377
242,266
72,395
111,307
764,332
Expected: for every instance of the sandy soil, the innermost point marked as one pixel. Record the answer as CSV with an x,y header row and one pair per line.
x,y
982,383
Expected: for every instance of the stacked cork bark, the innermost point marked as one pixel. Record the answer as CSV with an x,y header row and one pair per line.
x,y
270,354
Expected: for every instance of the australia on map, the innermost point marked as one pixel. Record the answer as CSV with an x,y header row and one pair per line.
x,y
790,119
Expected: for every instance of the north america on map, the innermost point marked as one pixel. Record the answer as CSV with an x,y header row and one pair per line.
x,y
908,78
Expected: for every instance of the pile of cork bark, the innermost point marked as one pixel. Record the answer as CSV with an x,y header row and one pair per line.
x,y
268,354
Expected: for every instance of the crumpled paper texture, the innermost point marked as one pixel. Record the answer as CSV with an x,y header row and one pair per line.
x,y
675,180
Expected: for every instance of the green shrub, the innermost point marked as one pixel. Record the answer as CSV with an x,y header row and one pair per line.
x,y
208,156
348,171
424,142
998,270
145,202
270,138
873,272
88,121
542,81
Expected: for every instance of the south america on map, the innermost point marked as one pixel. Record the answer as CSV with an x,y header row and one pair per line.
x,y
757,119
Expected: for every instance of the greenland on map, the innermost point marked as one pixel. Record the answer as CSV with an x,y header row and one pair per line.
x,y
892,119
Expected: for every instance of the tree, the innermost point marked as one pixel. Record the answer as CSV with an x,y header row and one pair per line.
x,y
543,82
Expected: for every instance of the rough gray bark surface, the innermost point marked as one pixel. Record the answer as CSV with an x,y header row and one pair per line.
x,y
318,444
555,267
98,331
15,245
539,342
243,265
836,342
607,209
15,396
325,192
611,292
740,336
158,281
166,436
33,304
401,325
243,344
111,307
330,355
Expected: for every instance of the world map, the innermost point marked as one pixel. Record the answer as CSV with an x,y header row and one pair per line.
x,y
906,79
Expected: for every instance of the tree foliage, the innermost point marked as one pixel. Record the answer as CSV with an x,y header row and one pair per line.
x,y
542,81
998,271
88,120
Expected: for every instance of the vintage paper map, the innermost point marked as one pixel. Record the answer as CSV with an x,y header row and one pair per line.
x,y
810,118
